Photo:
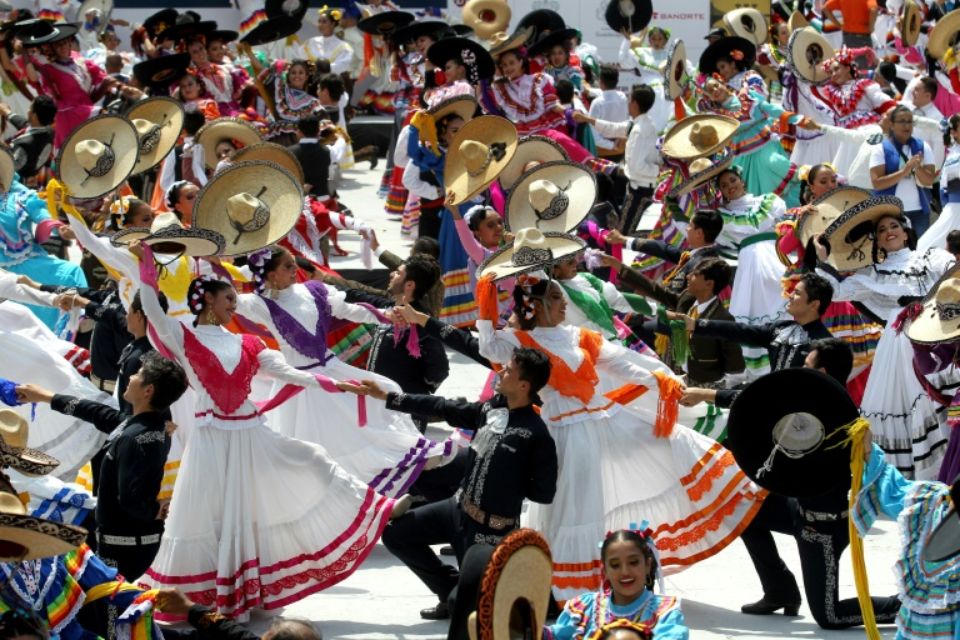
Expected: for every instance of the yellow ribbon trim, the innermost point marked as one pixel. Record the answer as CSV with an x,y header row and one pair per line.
x,y
427,126
107,589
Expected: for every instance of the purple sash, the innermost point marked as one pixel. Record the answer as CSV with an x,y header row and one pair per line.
x,y
306,344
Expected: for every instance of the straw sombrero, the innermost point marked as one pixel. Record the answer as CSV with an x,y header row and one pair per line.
x,y
24,537
909,22
831,206
475,57
797,21
697,136
806,51
14,453
940,319
463,106
537,149
98,156
251,204
746,23
46,32
793,443
518,576
271,30
500,42
554,196
531,250
944,543
702,170
167,235
7,168
162,71
727,46
486,17
547,41
271,152
385,23
216,131
158,122
944,34
851,235
628,14
477,155
674,70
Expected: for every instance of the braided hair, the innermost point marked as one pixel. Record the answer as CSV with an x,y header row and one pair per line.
x,y
262,263
528,289
199,288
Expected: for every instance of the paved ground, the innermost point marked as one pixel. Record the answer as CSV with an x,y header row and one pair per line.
x,y
382,599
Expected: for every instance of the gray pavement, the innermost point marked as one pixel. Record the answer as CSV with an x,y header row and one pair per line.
x,y
382,599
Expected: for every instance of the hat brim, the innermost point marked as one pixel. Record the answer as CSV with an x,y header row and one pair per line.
x,y
122,138
500,265
847,253
162,71
809,68
223,35
385,23
38,537
463,106
195,242
928,327
674,70
642,14
702,177
797,21
271,30
27,461
541,20
577,182
530,149
723,47
166,17
126,237
7,168
473,17
163,111
460,185
412,31
550,40
61,31
271,152
943,33
763,403
676,142
519,38
735,23
448,48
830,206
216,131
283,196
909,23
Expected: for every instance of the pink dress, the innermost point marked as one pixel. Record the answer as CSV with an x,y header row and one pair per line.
x,y
70,83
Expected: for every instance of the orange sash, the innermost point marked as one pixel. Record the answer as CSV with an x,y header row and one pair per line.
x,y
579,384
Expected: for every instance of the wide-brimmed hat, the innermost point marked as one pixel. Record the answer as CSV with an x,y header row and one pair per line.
x,y
167,235
829,207
547,41
160,21
940,319
7,168
477,59
98,156
746,23
500,42
541,21
477,155
162,71
158,122
702,170
697,136
223,35
186,27
634,15
531,250
727,47
944,543
797,21
463,106
793,443
25,537
554,196
14,453
251,204
944,34
806,51
412,31
295,9
240,132
851,235
385,23
538,149
271,152
271,30
486,17
674,70
518,577
45,32
104,7
909,22
31,152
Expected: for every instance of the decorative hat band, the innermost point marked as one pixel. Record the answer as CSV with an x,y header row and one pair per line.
x,y
948,310
558,205
528,256
150,140
496,151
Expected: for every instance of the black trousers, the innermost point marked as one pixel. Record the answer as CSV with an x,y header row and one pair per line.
x,y
429,225
410,536
633,206
820,544
131,561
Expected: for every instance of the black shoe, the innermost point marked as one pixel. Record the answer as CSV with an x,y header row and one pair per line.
x,y
447,550
439,612
766,607
373,162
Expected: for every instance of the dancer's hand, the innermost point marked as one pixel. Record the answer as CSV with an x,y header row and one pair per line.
x,y
614,237
136,249
173,601
412,316
33,393
695,395
66,233
374,390
27,281
607,260
170,427
164,510
350,387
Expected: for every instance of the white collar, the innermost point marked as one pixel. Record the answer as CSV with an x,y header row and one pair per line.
x,y
308,141
701,307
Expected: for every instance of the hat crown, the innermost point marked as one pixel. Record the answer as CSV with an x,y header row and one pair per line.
x,y
148,134
704,136
530,248
700,164
13,429
165,220
91,153
547,199
11,503
627,8
949,292
243,208
476,155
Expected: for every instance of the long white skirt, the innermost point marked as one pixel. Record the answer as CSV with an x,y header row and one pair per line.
x,y
614,473
388,453
757,297
936,235
902,416
261,520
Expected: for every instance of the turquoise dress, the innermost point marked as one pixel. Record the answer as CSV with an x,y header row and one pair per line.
x,y
930,592
584,615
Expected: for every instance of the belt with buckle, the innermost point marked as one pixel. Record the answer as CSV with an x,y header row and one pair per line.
x,y
823,516
490,520
128,541
104,385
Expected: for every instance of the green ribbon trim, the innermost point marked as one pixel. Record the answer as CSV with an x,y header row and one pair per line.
x,y
598,312
760,237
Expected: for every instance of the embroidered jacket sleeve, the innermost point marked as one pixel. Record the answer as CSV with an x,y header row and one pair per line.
x,y
105,418
544,467
435,363
460,340
657,249
495,345
883,492
458,412
340,308
140,465
753,335
274,365
110,313
214,626
369,296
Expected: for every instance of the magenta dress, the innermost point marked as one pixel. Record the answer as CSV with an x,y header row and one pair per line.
x,y
70,83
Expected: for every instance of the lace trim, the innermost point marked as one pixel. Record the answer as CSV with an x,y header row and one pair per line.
x,y
228,391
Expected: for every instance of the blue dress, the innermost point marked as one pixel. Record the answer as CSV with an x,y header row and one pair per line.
x,y
584,615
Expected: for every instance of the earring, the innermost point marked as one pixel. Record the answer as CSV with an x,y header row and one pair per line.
x,y
212,317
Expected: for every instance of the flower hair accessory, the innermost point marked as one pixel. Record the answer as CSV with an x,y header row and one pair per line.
x,y
474,211
257,261
844,56
737,55
334,14
199,288
527,282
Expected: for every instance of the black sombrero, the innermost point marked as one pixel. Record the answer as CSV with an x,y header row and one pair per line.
x,y
634,15
727,47
542,21
271,30
385,23
549,40
39,32
787,432
224,35
476,58
187,28
162,71
412,31
160,21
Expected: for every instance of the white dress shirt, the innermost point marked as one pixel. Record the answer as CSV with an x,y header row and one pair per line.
x,y
641,158
610,105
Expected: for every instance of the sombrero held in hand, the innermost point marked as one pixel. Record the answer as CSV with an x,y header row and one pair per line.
x,y
98,156
553,196
477,155
158,122
531,250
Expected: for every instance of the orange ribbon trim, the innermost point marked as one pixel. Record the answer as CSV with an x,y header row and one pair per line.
x,y
579,384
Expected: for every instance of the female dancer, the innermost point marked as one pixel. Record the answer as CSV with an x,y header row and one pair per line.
x,y
180,198
223,86
949,219
641,464
292,96
902,415
192,92
748,235
527,100
257,519
387,452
